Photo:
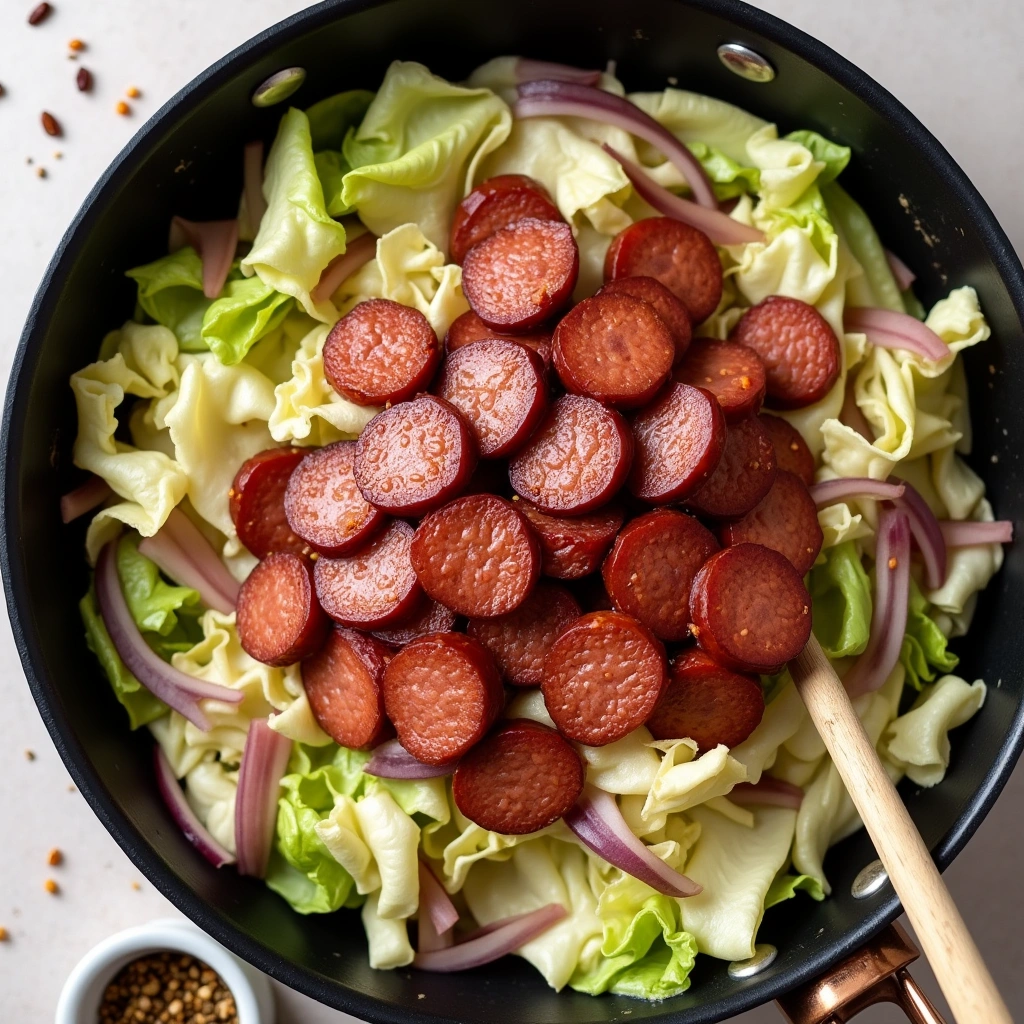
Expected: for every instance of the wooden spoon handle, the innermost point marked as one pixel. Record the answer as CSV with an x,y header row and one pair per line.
x,y
958,966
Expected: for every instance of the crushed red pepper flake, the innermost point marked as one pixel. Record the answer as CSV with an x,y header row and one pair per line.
x,y
54,857
893,562
77,45
50,124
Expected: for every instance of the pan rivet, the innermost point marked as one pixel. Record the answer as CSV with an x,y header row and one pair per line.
x,y
764,955
869,881
278,87
745,62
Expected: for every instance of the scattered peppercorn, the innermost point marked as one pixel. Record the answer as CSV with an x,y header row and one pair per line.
x,y
41,172
132,93
84,80
168,987
39,13
50,124
4,934
50,885
123,109
54,857
30,755
76,44
58,155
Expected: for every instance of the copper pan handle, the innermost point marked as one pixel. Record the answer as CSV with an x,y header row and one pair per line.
x,y
877,973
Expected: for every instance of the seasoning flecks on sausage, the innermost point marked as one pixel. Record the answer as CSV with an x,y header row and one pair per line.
x,y
468,327
791,451
733,373
256,502
675,315
573,546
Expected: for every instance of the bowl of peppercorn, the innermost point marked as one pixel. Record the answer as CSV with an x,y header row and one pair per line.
x,y
164,972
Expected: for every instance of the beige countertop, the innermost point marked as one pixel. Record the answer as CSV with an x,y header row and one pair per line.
x,y
955,65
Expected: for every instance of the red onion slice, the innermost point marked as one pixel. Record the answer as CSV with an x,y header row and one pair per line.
x,y
925,529
533,70
905,277
967,533
176,689
549,98
215,241
492,942
264,760
598,823
359,252
768,792
392,761
252,186
437,916
889,615
829,492
889,329
194,830
718,226
84,499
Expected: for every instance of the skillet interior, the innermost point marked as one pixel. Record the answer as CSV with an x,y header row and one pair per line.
x,y
186,160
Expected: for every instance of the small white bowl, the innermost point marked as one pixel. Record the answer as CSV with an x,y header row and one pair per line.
x,y
83,991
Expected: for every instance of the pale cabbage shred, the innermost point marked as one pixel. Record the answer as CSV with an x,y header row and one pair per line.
x,y
423,144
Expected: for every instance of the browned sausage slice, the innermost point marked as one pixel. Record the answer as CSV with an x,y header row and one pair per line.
x,y
468,327
477,556
799,349
373,587
785,520
707,703
744,475
381,352
791,451
428,617
499,387
442,692
521,640
603,677
280,620
343,684
614,348
680,440
572,547
413,457
733,373
323,504
520,779
666,305
495,204
651,566
577,460
256,502
682,258
521,275
750,609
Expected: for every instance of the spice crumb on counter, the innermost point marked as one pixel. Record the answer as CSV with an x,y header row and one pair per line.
x,y
123,109
77,45
54,857
30,755
50,124
136,886
51,887
39,13
84,80
4,934
41,172
132,92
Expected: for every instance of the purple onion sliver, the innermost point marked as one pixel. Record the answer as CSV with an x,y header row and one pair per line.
x,y
547,98
967,533
598,823
264,760
829,492
192,828
768,792
84,499
435,903
925,529
487,945
215,241
252,185
888,329
531,70
392,761
359,252
176,689
905,277
171,561
201,553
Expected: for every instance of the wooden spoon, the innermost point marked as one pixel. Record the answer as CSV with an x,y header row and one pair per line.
x,y
965,980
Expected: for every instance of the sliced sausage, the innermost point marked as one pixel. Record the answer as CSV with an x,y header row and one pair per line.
x,y
680,440
442,692
614,348
477,556
323,505
682,258
750,609
521,640
577,460
650,569
744,475
343,685
381,352
733,373
468,327
707,703
786,520
256,502
791,451
374,587
495,204
571,547
522,274
520,779
428,617
415,456
603,677
666,305
279,620
800,351
499,388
